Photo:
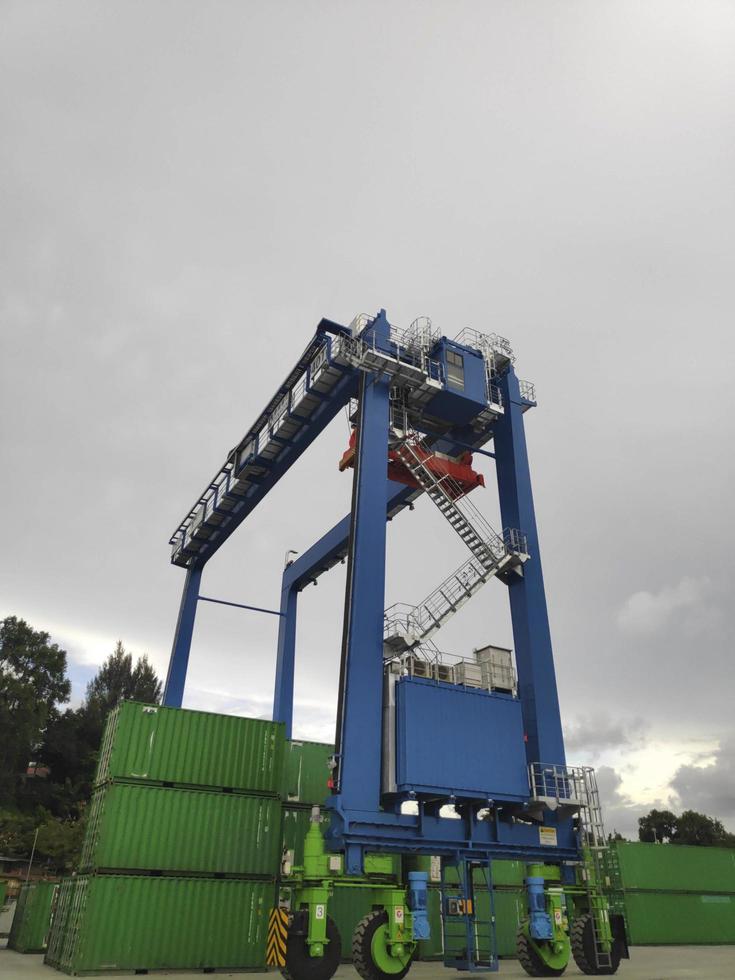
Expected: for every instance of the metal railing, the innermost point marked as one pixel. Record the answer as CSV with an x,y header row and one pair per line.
x,y
528,390
571,786
488,344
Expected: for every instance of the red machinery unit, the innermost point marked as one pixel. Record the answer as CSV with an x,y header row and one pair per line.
x,y
458,469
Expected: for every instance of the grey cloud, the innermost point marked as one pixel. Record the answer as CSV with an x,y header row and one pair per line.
x,y
593,735
184,197
710,789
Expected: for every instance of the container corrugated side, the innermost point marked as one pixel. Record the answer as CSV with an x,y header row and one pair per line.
x,y
673,867
30,928
296,822
347,906
295,827
131,923
191,748
146,827
665,918
59,921
305,772
510,910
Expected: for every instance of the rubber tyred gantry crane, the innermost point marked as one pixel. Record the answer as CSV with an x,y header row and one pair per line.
x,y
457,757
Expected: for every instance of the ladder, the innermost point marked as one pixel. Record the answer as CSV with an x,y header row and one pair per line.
x,y
406,626
448,495
468,929
594,849
492,553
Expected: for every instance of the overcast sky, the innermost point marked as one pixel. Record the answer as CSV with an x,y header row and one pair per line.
x,y
187,188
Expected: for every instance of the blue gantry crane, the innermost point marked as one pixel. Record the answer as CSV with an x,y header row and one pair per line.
x,y
460,757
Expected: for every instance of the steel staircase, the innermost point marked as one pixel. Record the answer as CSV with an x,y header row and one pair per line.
x,y
407,626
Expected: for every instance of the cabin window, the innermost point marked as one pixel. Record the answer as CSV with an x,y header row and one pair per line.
x,y
455,369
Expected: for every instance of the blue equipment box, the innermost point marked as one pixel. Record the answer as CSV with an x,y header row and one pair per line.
x,y
460,741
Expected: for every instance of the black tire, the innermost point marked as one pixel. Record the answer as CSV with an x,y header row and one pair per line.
x,y
301,966
362,957
583,949
530,960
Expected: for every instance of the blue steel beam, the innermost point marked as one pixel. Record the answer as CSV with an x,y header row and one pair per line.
x,y
360,704
323,555
173,692
322,416
531,634
292,450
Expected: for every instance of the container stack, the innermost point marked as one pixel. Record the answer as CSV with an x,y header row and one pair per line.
x,y
305,777
182,847
674,894
33,912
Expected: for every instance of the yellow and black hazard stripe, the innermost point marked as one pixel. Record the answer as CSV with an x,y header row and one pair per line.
x,y
277,933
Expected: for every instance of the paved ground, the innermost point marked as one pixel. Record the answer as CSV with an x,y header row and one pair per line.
x,y
660,963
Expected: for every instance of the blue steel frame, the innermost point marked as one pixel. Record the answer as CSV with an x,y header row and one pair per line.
x,y
361,818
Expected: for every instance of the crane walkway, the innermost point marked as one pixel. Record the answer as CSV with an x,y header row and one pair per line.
x,y
492,553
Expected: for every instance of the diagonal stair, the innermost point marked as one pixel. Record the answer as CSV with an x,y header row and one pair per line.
x,y
406,626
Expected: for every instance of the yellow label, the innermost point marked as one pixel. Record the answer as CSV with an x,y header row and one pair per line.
x,y
547,836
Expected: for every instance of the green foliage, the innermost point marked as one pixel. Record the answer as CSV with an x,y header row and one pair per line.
x,y
657,827
58,842
697,828
663,826
32,682
118,679
33,686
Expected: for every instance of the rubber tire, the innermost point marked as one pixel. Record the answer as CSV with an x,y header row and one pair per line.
x,y
583,949
301,966
362,940
530,960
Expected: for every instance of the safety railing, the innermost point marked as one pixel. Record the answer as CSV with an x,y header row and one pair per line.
x,y
528,390
488,344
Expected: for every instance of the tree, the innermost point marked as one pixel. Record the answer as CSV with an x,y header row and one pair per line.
x,y
116,680
657,827
32,684
698,828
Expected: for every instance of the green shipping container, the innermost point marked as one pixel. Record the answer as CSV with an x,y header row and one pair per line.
x,y
296,822
347,907
32,919
106,923
306,773
670,867
295,825
510,910
191,748
136,827
658,918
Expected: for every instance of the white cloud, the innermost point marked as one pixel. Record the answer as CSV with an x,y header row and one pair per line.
x,y
645,613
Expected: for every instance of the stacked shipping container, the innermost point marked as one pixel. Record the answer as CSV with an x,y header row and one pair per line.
x,y
306,776
674,894
182,800
31,922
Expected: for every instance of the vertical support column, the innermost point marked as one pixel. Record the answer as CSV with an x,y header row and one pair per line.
x,y
285,662
531,634
173,692
360,709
